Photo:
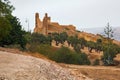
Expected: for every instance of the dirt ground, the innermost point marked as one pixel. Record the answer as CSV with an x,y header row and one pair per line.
x,y
19,66
94,72
97,72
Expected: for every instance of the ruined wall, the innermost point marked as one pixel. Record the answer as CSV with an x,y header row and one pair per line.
x,y
38,24
46,26
46,21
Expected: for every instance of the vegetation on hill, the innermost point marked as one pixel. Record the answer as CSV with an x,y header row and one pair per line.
x,y
40,43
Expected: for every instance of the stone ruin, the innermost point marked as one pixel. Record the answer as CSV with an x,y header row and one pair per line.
x,y
46,27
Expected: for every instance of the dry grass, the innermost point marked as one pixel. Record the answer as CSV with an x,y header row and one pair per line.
x,y
101,74
96,72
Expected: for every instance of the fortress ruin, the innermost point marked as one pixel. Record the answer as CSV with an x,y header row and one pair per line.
x,y
47,27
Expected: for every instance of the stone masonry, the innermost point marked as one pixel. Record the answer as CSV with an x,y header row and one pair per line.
x,y
47,27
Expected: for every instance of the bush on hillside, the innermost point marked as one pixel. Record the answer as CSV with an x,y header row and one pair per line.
x,y
65,55
61,55
39,39
83,59
44,49
96,62
110,51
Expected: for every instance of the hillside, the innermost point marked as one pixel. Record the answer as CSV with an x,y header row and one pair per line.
x,y
21,67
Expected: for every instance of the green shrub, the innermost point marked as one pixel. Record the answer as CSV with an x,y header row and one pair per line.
x,y
65,55
83,59
61,55
109,53
96,62
42,48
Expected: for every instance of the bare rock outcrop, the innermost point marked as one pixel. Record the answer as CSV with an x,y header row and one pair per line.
x,y
20,67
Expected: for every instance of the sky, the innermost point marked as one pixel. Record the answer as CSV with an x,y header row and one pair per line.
x,y
80,13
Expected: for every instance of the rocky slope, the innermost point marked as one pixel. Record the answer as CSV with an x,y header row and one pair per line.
x,y
21,67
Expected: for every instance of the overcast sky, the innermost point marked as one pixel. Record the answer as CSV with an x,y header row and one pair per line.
x,y
81,13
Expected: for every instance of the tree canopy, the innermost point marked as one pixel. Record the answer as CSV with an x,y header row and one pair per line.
x,y
5,27
5,8
10,29
5,11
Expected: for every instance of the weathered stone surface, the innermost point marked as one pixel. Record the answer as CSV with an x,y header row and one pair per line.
x,y
20,67
46,26
38,23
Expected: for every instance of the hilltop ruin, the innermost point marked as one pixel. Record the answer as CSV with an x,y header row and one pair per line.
x,y
46,26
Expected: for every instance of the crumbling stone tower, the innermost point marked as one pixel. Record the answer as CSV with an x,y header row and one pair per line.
x,y
41,26
38,24
46,27
46,22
